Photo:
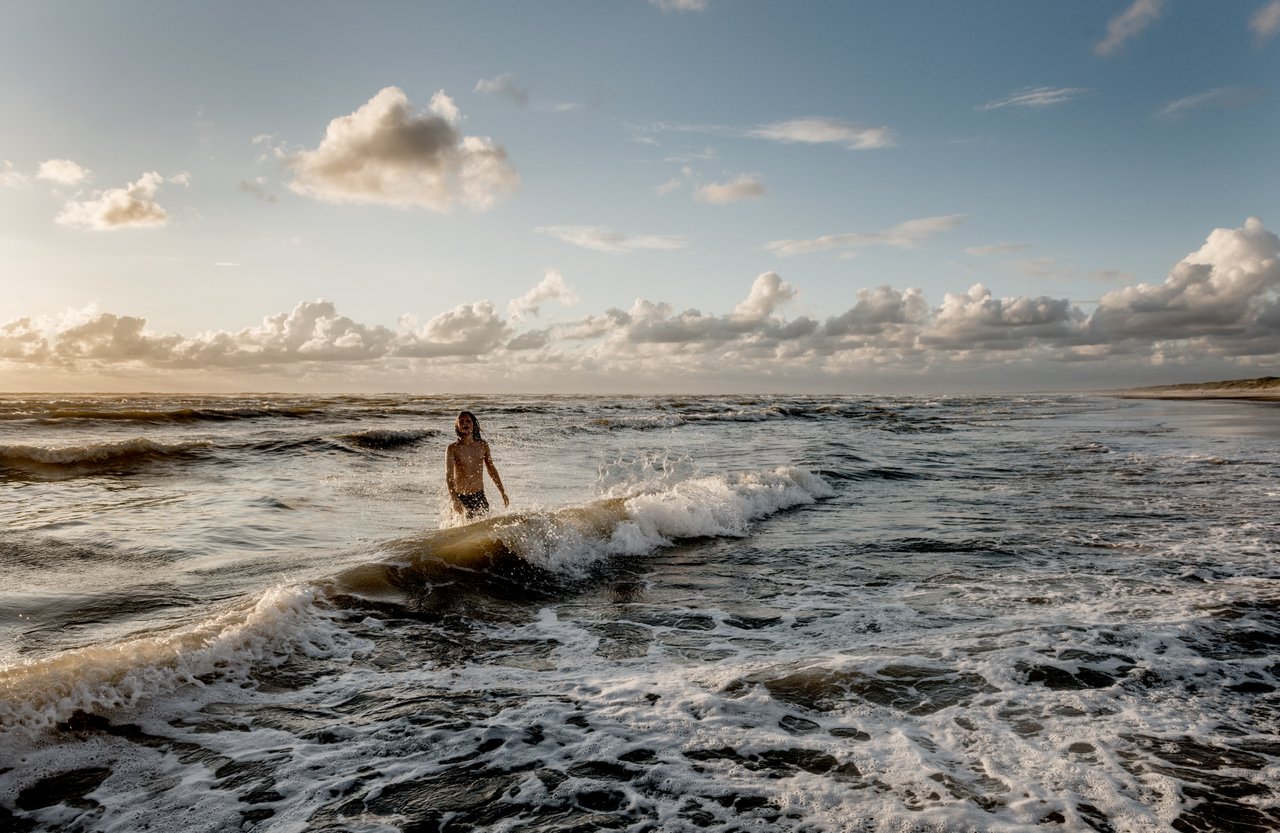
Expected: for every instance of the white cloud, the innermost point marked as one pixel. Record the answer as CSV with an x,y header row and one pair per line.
x,y
1265,22
22,340
976,320
1037,98
505,86
1224,293
768,292
1219,308
667,187
552,287
133,206
745,187
62,171
1130,23
906,235
465,330
11,177
681,5
1221,98
258,187
996,249
603,239
826,131
385,153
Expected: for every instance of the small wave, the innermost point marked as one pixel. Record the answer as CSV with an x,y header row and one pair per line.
x,y
385,438
73,459
570,542
162,415
39,694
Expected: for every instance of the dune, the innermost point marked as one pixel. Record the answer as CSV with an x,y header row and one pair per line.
x,y
1264,388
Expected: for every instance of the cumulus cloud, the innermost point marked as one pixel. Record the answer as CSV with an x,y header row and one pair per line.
x,y
62,171
465,330
1265,22
906,235
1219,303
815,131
1221,98
768,292
505,86
880,312
603,239
1130,23
386,153
552,287
22,340
1037,98
133,206
976,320
745,187
1224,293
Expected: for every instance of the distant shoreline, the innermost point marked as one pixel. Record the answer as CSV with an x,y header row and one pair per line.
x,y
1263,389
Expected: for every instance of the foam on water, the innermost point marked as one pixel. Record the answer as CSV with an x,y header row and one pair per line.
x,y
1062,615
37,694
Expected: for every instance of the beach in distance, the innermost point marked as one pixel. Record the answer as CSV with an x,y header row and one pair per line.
x,y
1263,388
700,613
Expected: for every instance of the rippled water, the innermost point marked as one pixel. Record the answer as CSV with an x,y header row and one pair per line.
x,y
722,614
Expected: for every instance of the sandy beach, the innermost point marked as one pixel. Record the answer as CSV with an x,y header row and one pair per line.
x,y
1264,389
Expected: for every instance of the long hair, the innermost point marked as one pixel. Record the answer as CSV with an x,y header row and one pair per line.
x,y
475,425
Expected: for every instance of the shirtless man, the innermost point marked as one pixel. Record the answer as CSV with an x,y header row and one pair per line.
x,y
464,464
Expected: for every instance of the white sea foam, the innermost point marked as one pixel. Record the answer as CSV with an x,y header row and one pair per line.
x,y
40,693
656,515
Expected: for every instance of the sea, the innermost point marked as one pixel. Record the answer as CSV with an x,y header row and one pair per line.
x,y
699,613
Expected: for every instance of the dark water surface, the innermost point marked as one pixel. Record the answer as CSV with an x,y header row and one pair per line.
x,y
720,614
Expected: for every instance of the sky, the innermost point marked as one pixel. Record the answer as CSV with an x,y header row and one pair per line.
x,y
638,196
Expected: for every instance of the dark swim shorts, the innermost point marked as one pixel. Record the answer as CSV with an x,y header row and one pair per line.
x,y
475,504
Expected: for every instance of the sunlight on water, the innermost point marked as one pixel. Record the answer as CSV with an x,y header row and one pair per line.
x,y
702,614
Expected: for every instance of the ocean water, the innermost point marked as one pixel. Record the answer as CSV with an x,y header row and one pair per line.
x,y
699,614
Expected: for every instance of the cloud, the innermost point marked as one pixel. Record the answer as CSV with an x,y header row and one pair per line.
x,y
603,239
11,177
1130,23
1221,98
768,292
996,249
22,340
1218,308
906,235
133,206
551,288
62,171
976,320
826,131
1265,22
1036,98
667,187
258,187
505,86
681,5
1224,294
745,187
465,330
385,153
